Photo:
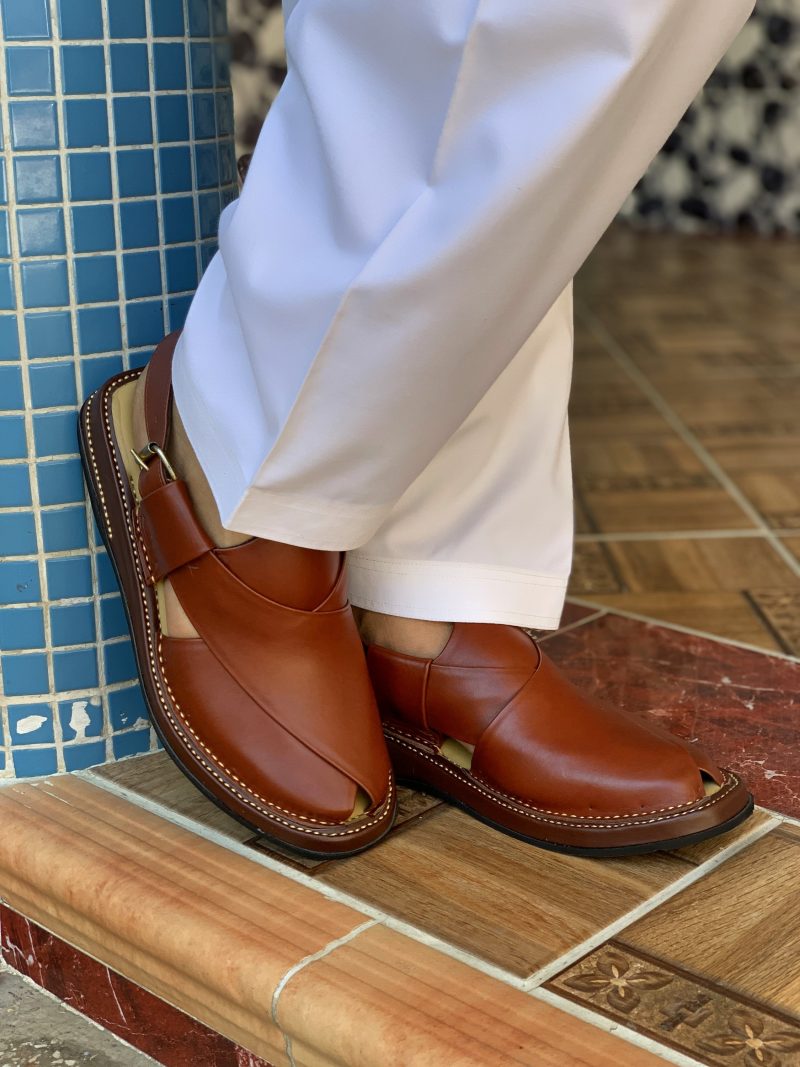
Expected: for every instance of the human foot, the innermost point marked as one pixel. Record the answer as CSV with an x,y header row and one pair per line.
x,y
414,637
491,725
269,708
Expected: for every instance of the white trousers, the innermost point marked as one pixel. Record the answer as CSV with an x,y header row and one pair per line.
x,y
379,357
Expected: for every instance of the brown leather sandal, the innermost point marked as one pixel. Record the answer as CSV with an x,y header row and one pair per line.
x,y
492,726
269,710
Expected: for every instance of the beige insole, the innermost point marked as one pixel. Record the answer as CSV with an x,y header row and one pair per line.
x,y
122,421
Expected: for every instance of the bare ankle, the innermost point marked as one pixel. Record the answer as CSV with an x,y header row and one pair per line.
x,y
413,637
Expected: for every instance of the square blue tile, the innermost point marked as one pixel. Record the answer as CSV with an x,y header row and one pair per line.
x,y
227,168
205,116
119,662
99,330
208,209
142,272
33,762
34,124
11,397
79,757
176,169
202,66
31,724
15,486
64,529
54,433
19,582
97,370
25,21
9,338
21,629
129,68
199,18
45,284
126,708
178,310
83,69
178,220
69,577
131,743
93,228
132,120
127,18
145,323
30,71
167,18
72,624
8,300
5,236
136,171
106,579
87,123
207,163
80,719
48,333
219,20
76,669
60,481
222,63
25,674
139,224
181,269
96,279
140,357
38,179
89,175
224,103
13,444
113,621
81,20
41,231
3,188
169,63
18,537
172,118
52,384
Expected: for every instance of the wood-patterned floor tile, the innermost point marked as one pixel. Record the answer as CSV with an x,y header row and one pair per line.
x,y
734,616
776,494
154,776
385,999
738,927
514,905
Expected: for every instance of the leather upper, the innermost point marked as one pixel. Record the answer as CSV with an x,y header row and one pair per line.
x,y
275,688
536,737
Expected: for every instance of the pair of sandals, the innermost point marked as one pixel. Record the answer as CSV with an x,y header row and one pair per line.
x,y
276,714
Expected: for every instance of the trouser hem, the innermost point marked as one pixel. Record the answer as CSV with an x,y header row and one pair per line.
x,y
444,591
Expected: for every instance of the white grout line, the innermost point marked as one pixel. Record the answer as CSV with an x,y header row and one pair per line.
x,y
323,952
293,875
610,609
617,1029
668,535
618,353
598,614
652,902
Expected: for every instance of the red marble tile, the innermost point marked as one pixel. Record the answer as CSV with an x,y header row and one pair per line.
x,y
743,706
132,1013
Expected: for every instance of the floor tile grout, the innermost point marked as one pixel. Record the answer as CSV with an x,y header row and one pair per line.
x,y
650,904
547,634
313,958
652,620
665,409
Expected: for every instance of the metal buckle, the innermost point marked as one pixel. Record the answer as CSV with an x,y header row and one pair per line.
x,y
150,450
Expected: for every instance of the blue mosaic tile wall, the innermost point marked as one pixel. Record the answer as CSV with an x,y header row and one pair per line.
x,y
116,127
